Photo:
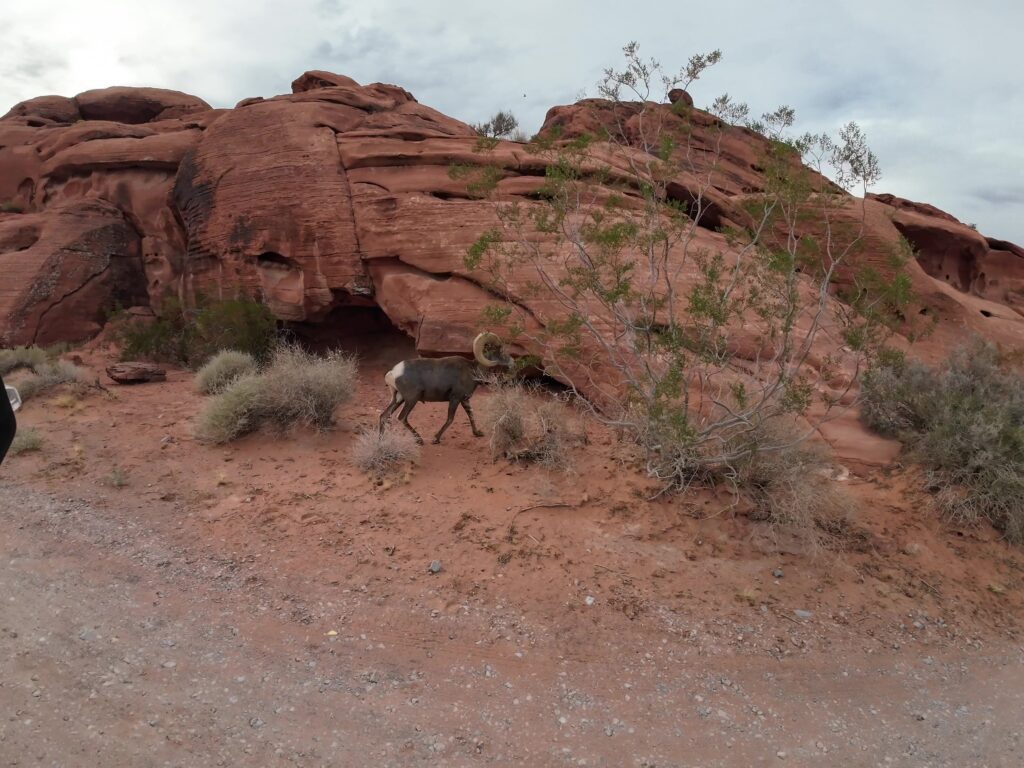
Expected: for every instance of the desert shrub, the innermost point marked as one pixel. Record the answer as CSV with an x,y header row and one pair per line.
x,y
964,422
895,396
300,388
233,412
297,388
384,454
684,366
191,336
789,483
26,441
117,478
223,368
49,375
22,357
527,426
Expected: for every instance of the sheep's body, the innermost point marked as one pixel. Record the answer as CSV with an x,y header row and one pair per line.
x,y
438,380
424,380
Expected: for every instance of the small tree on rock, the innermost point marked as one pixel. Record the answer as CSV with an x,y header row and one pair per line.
x,y
692,319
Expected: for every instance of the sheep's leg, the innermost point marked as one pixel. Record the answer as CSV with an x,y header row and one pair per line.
x,y
404,418
452,406
386,414
472,423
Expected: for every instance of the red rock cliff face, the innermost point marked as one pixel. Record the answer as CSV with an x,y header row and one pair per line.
x,y
339,194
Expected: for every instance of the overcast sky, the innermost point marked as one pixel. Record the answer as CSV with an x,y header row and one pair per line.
x,y
936,85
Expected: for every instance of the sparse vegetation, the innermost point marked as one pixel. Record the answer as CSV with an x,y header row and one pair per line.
x,y
191,336
301,388
9,206
117,478
48,375
526,427
693,369
26,441
22,357
792,490
500,125
297,388
232,413
223,368
385,454
964,422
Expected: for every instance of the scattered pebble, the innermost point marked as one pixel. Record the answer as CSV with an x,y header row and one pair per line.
x,y
589,600
435,566
777,573
801,614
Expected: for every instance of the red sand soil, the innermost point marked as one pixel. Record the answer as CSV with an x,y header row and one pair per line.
x,y
268,602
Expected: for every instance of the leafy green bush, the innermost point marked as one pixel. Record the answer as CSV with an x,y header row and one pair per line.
x,y
964,421
223,368
191,336
297,388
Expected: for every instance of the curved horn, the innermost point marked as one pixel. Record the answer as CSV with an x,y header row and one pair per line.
x,y
481,341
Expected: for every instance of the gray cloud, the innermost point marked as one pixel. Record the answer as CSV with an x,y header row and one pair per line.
x,y
934,84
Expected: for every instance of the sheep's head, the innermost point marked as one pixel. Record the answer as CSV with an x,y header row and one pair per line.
x,y
489,351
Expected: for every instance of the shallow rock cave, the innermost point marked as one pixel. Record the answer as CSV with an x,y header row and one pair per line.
x,y
357,326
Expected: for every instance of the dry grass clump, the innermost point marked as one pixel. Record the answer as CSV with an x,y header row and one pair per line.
x,y
792,490
298,388
527,426
233,412
385,454
301,388
49,375
26,441
22,357
222,369
964,421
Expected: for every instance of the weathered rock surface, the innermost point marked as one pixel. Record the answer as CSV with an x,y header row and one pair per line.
x,y
136,373
339,195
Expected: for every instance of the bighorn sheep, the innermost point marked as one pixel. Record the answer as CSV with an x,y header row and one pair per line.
x,y
437,380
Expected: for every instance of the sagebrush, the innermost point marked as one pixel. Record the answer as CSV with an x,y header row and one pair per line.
x,y
48,375
526,424
297,388
26,441
964,422
790,485
386,453
223,368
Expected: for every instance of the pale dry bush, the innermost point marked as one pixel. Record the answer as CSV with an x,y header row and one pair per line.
x,y
22,357
298,388
48,375
526,425
964,421
790,484
223,368
385,454
26,441
233,412
301,388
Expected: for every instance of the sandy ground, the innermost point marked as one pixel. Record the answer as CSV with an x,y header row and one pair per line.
x,y
166,603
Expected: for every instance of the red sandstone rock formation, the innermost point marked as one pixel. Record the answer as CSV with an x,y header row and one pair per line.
x,y
339,195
